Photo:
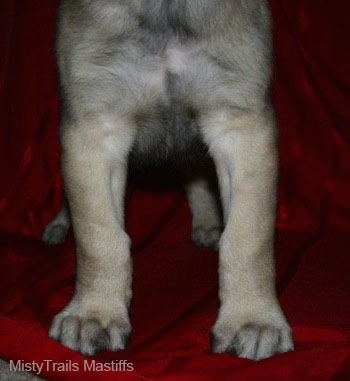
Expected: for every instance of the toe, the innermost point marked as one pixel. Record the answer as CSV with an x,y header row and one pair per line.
x,y
252,341
93,338
88,335
120,333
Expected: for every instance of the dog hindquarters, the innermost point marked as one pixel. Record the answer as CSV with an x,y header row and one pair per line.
x,y
250,322
94,164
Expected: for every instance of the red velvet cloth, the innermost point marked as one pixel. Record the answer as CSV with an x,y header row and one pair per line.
x,y
175,282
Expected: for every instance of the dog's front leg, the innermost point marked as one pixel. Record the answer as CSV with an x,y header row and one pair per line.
x,y
250,322
94,164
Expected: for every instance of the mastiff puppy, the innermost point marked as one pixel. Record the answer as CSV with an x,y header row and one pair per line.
x,y
158,81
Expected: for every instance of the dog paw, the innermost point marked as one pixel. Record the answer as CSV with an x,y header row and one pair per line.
x,y
207,237
89,335
55,233
252,341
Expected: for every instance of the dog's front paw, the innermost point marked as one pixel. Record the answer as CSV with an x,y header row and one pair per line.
x,y
207,237
89,334
251,340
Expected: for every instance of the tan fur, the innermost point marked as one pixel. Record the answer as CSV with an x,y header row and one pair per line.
x,y
96,178
244,151
161,81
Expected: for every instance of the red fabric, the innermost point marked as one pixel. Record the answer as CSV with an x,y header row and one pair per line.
x,y
175,288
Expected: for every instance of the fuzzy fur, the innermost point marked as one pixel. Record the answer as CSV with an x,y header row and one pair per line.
x,y
157,81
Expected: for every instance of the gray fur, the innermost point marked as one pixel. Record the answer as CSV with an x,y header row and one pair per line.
x,y
162,81
108,49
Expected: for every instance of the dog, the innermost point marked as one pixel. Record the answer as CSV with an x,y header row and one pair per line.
x,y
146,81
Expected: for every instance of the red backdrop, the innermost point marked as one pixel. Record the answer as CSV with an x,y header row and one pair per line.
x,y
175,288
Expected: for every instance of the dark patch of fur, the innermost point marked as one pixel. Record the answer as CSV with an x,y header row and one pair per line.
x,y
170,136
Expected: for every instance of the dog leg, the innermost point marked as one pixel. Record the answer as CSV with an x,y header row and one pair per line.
x,y
250,323
201,191
56,231
94,164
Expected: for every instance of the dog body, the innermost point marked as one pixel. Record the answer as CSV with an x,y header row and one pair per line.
x,y
147,81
